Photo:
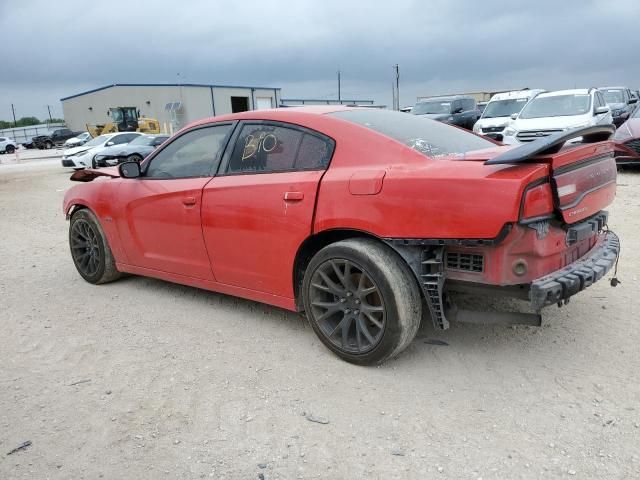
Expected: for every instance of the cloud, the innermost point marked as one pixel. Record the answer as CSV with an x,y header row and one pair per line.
x,y
58,49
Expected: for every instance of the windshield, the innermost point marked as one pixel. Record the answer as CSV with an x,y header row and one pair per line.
x,y
424,108
504,108
142,140
613,96
557,106
116,115
427,136
97,141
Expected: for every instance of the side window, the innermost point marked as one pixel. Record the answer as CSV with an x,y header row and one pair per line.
x,y
269,148
264,148
124,138
193,154
314,153
457,104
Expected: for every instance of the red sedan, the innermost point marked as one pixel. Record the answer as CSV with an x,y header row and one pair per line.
x,y
627,138
366,220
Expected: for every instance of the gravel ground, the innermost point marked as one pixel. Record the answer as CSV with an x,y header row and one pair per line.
x,y
146,379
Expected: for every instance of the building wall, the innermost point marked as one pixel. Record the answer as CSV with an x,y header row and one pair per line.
x,y
197,102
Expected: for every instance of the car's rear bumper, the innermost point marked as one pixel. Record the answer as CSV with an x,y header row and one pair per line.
x,y
575,277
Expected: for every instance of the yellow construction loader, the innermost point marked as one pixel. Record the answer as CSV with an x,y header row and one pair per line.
x,y
125,119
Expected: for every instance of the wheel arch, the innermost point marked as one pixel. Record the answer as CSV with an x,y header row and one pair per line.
x,y
74,207
316,242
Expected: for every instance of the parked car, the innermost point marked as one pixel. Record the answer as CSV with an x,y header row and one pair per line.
x,y
621,102
554,112
134,151
81,139
627,138
82,156
358,217
497,114
460,110
7,145
56,138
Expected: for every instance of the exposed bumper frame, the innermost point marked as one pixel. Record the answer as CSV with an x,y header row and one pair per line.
x,y
575,277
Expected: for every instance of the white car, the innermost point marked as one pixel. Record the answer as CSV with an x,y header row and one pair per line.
x,y
77,141
497,113
83,156
554,112
7,145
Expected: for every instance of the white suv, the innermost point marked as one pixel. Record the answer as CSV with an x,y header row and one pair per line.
x,y
554,112
497,113
7,145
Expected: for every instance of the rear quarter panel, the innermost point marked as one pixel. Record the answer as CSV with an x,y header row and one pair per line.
x,y
420,197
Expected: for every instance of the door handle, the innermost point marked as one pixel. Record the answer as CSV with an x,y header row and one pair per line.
x,y
293,196
189,201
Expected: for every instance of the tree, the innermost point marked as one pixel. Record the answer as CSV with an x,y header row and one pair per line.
x,y
26,121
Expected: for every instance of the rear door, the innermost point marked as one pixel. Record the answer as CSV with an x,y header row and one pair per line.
x,y
159,223
259,208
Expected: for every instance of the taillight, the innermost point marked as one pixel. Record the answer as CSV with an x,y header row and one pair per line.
x,y
537,203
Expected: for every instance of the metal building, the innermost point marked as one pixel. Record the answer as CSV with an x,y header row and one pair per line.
x,y
173,105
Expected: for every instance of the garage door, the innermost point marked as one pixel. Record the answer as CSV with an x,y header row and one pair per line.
x,y
263,103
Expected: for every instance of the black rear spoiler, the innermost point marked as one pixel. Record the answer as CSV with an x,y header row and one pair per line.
x,y
553,143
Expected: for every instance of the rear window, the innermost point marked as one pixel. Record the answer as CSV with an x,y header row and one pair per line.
x,y
428,137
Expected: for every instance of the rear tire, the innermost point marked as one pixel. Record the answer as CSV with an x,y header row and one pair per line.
x,y
90,250
10,149
362,300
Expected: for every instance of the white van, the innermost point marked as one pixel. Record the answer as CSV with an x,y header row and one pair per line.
x,y
554,112
497,114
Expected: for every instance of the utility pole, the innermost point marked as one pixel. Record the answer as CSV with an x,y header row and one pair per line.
x,y
397,70
49,109
13,110
339,96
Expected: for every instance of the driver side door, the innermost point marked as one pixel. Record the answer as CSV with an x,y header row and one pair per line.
x,y
159,224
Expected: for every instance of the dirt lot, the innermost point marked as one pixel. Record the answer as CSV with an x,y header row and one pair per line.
x,y
146,379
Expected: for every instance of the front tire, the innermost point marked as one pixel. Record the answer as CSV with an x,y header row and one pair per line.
x,y
134,158
90,250
10,149
362,300
48,145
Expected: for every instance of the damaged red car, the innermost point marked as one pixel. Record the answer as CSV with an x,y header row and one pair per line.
x,y
366,220
627,138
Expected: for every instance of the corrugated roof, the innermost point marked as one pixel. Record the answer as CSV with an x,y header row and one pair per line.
x,y
165,85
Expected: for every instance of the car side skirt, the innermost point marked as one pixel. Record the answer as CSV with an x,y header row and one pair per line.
x,y
262,297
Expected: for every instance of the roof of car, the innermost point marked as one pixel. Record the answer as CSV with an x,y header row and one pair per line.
x,y
445,97
612,88
517,94
574,91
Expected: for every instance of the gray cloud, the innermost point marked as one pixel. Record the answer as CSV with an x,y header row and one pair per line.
x,y
56,49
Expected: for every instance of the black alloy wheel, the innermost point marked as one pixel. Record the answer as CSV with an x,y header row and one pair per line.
x,y
85,248
347,306
362,300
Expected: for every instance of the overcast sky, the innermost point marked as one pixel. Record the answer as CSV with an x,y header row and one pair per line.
x,y
54,49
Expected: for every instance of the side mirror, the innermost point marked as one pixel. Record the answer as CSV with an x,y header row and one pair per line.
x,y
109,143
632,100
514,116
458,110
129,170
601,110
